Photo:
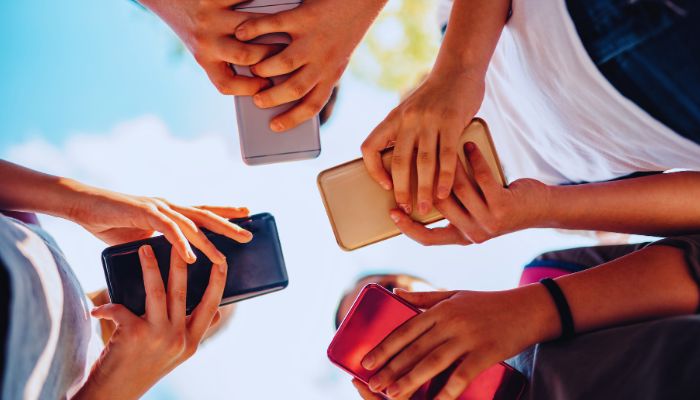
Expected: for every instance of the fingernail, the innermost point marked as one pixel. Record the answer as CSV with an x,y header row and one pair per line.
x,y
257,99
247,234
386,185
443,192
277,126
393,390
368,363
222,267
423,207
399,290
470,146
406,208
94,310
375,384
190,256
395,216
147,251
240,33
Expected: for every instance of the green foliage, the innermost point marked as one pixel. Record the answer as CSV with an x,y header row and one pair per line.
x,y
401,46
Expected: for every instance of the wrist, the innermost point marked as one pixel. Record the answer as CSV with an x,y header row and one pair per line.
x,y
541,319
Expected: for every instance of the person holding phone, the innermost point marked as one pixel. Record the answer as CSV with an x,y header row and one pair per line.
x,y
216,35
574,91
49,346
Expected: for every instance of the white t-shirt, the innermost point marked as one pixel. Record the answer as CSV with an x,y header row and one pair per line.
x,y
555,117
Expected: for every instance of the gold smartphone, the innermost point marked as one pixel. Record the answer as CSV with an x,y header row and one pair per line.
x,y
358,207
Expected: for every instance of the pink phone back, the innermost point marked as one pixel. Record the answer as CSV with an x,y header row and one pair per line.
x,y
374,315
259,144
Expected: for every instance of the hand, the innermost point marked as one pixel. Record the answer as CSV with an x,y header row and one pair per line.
x,y
144,349
118,218
430,120
324,33
206,28
474,329
481,209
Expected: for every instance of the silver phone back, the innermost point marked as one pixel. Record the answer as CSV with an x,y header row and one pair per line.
x,y
259,144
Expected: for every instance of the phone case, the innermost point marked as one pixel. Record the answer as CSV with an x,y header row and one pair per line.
x,y
374,315
259,144
358,207
255,268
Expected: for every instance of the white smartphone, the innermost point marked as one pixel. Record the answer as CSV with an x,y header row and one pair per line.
x,y
259,144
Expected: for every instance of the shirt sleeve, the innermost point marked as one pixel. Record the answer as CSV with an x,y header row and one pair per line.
x,y
690,244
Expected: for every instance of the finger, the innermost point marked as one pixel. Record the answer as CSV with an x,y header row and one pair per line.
x,y
173,234
294,88
285,62
194,235
227,82
177,290
448,162
397,340
272,23
468,194
430,366
215,223
372,149
227,212
232,51
425,300
460,218
156,310
308,108
463,375
117,313
203,314
401,166
405,360
425,167
427,236
364,391
482,172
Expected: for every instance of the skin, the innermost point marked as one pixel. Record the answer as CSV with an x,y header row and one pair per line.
x,y
425,127
480,329
316,57
118,218
481,209
144,349
207,27
139,350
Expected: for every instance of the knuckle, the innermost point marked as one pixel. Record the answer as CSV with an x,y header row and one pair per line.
x,y
243,55
434,360
287,61
298,90
448,153
399,159
312,108
157,294
425,156
180,294
448,113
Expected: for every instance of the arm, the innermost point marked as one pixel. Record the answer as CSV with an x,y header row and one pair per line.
x,y
661,205
432,118
479,329
115,217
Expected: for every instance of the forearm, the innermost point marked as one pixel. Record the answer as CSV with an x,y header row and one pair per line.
x,y
659,205
22,189
472,34
651,283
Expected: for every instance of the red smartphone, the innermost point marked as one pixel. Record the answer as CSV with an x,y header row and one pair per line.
x,y
374,315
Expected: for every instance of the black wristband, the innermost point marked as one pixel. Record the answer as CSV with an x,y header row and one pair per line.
x,y
567,320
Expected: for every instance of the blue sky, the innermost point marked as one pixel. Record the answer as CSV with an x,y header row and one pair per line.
x,y
80,65
94,90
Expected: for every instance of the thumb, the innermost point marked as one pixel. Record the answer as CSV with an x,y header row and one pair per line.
x,y
424,299
117,313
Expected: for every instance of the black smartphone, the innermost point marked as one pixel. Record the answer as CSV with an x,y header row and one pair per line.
x,y
255,268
